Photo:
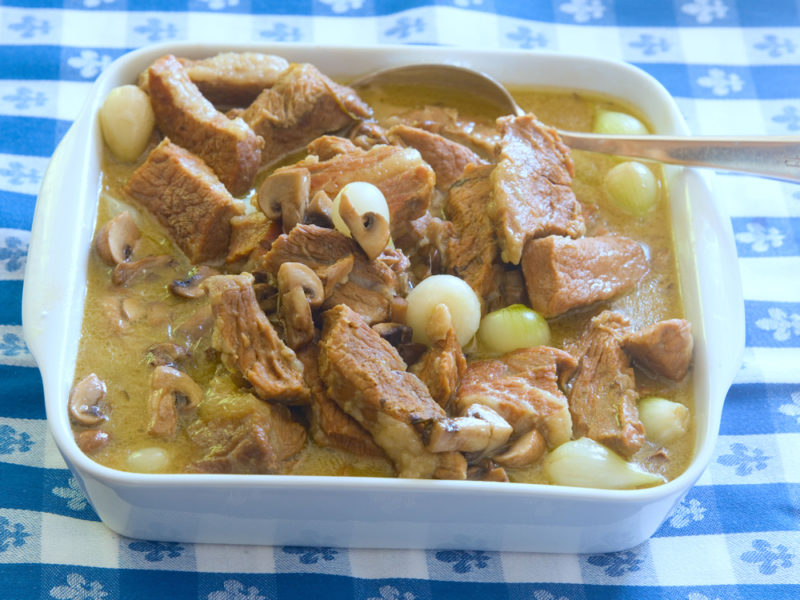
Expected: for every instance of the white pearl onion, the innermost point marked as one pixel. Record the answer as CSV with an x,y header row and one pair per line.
x,y
151,459
127,121
455,293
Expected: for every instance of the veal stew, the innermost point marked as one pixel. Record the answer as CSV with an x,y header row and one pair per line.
x,y
289,276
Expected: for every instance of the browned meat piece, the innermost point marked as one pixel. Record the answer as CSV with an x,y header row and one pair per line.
x,y
522,387
603,397
562,273
228,146
478,135
366,377
301,105
248,343
249,232
186,197
234,78
367,134
664,347
325,147
247,436
473,254
367,287
400,173
531,193
329,425
446,157
443,364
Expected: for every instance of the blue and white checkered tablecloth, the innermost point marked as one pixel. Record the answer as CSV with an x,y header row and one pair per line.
x,y
734,67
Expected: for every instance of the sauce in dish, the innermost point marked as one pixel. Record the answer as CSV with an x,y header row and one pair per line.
x,y
291,277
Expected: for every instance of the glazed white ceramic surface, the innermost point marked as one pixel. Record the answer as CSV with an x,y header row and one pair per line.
x,y
372,512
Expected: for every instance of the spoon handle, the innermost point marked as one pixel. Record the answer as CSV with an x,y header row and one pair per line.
x,y
777,157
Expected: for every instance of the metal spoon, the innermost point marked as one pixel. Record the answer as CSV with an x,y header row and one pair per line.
x,y
769,156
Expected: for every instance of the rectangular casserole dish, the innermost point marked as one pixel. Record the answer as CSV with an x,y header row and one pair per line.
x,y
372,512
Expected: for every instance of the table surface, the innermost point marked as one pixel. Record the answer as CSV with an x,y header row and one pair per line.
x,y
734,68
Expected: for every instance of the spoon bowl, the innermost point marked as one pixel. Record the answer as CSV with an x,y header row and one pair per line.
x,y
767,156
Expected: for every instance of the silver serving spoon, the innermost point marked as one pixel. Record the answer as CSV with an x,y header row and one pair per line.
x,y
769,156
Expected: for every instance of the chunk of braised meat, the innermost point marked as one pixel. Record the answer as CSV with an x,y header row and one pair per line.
x,y
602,399
479,135
234,78
443,364
329,425
252,437
325,147
562,273
400,173
366,377
183,114
473,254
664,348
248,343
366,286
522,387
187,198
300,106
249,233
446,157
531,193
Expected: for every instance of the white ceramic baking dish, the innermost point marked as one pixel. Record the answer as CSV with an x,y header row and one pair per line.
x,y
372,512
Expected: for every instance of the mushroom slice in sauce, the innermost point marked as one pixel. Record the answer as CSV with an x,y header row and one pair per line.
x,y
285,195
86,401
91,440
166,354
370,230
171,392
480,430
524,451
190,287
127,272
300,291
117,239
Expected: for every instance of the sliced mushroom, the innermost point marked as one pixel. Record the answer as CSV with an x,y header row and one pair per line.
x,y
370,230
284,195
487,470
524,451
500,428
128,272
297,318
320,210
166,354
91,440
295,274
86,401
191,287
117,239
171,392
481,430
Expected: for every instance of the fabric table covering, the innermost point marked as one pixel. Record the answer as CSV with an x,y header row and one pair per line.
x,y
733,67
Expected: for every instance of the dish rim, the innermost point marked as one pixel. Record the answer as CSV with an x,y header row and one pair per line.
x,y
86,123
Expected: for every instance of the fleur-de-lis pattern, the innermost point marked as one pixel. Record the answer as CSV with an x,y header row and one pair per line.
x,y
706,11
236,590
745,460
463,561
616,564
768,558
157,551
78,588
311,556
12,535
